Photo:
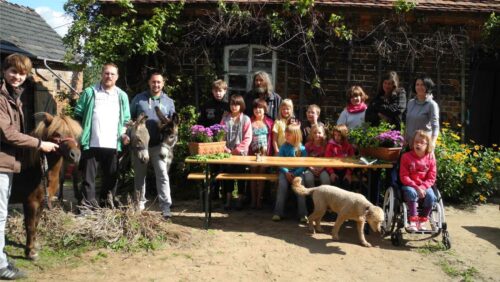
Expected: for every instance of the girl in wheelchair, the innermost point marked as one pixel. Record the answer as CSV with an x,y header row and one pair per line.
x,y
418,175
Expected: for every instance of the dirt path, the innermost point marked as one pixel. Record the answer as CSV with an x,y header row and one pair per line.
x,y
247,245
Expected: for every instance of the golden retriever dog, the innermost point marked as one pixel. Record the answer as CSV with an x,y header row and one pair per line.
x,y
347,205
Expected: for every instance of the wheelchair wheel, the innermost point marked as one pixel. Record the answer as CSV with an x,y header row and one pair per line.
x,y
446,239
437,217
397,238
389,214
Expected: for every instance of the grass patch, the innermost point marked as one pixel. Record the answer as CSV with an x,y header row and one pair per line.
x,y
455,271
65,237
430,248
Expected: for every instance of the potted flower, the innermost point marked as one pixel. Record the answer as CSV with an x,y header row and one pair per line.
x,y
207,140
380,142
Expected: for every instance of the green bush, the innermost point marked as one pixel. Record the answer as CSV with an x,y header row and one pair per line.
x,y
467,173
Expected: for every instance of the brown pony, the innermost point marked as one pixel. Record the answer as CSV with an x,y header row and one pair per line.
x,y
34,184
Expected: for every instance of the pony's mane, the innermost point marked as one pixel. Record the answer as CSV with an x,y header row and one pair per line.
x,y
64,125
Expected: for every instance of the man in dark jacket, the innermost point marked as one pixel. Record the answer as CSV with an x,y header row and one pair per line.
x,y
12,138
263,89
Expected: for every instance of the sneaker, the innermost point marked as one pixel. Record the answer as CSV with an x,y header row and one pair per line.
x,y
276,217
414,224
167,217
11,272
303,220
422,222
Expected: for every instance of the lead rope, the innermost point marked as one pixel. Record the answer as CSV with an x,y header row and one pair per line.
x,y
45,169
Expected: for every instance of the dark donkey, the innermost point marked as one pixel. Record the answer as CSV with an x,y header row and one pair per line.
x,y
39,180
169,128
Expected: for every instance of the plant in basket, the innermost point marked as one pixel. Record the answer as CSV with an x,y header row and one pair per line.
x,y
380,142
199,133
207,140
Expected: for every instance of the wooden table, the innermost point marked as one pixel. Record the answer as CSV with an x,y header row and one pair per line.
x,y
269,161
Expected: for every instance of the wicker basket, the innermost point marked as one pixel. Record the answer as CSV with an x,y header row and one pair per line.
x,y
381,153
206,148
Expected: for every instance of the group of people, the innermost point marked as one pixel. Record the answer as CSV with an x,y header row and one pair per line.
x,y
260,122
103,111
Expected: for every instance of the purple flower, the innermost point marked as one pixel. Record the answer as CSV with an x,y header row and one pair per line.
x,y
391,138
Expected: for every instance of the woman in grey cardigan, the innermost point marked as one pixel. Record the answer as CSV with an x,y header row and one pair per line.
x,y
422,111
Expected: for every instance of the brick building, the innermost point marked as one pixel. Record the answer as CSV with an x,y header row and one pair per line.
x,y
437,37
24,31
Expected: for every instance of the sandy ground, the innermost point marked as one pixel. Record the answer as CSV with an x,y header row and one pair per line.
x,y
248,246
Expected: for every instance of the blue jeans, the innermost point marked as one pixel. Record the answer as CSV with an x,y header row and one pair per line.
x,y
410,195
309,178
281,197
161,176
5,187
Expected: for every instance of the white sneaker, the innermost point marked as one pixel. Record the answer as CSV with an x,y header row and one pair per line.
x,y
413,226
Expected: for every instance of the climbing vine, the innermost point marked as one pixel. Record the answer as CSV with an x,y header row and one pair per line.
x,y
304,34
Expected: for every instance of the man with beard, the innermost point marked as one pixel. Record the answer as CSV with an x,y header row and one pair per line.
x,y
263,89
146,102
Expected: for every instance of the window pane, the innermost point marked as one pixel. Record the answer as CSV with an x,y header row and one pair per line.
x,y
237,81
262,65
238,57
262,54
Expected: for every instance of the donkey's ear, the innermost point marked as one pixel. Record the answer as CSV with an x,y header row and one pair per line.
x,y
160,115
130,123
47,118
142,118
176,119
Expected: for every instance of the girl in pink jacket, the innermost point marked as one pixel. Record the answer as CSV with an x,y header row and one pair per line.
x,y
238,139
339,147
418,174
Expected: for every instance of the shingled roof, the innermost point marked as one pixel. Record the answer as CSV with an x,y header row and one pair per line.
x,y
24,31
483,6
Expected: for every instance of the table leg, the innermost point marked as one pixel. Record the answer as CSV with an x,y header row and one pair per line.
x,y
206,195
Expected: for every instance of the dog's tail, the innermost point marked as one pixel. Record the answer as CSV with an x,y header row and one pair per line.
x,y
299,188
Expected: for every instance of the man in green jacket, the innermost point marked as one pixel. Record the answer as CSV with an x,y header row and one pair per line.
x,y
103,110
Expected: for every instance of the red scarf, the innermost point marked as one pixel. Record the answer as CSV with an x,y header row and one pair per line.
x,y
356,108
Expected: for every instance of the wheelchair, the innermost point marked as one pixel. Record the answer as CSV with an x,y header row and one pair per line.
x,y
396,215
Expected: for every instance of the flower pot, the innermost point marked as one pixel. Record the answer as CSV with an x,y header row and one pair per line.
x,y
381,153
206,148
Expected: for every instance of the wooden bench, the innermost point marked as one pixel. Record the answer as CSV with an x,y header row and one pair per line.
x,y
236,176
273,177
196,176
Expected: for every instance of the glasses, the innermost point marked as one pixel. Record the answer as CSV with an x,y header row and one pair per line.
x,y
421,142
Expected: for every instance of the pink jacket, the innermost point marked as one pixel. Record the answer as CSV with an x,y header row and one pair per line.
x,y
416,172
336,150
244,137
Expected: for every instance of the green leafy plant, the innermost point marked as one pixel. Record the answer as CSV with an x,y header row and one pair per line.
x,y
339,27
467,173
404,6
367,135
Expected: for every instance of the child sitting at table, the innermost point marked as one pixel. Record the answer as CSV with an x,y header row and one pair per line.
x,y
261,145
286,117
418,173
315,147
291,148
338,147
238,138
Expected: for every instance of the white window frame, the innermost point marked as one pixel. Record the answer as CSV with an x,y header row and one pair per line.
x,y
249,71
